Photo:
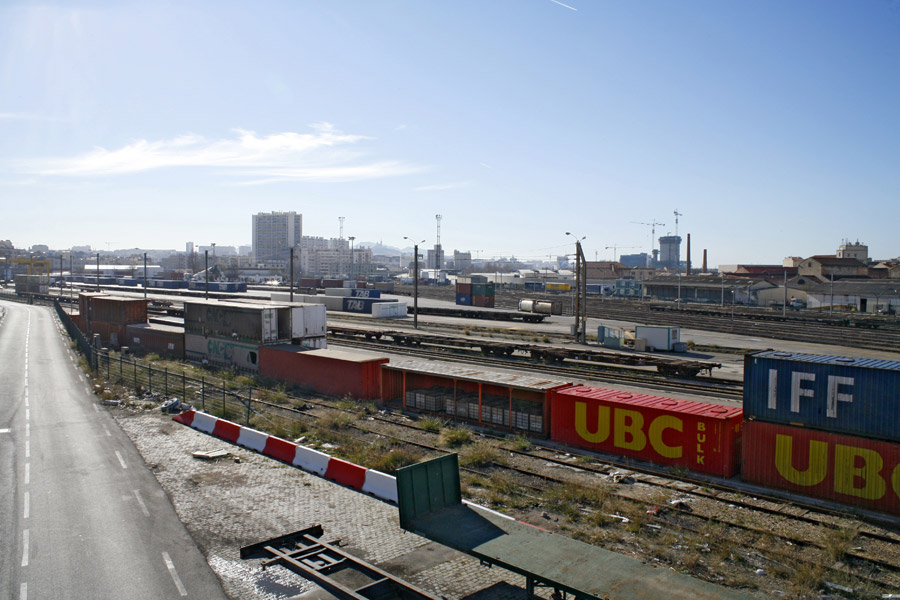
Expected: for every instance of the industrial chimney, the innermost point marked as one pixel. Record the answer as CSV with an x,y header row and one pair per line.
x,y
688,265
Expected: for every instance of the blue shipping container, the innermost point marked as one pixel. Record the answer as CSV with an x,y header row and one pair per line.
x,y
359,293
360,305
830,393
534,286
464,299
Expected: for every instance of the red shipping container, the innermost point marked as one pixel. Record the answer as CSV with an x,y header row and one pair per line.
x,y
464,288
116,310
700,436
842,468
332,372
483,301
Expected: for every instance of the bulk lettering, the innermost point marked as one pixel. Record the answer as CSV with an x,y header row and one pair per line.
x,y
630,432
857,471
355,305
803,385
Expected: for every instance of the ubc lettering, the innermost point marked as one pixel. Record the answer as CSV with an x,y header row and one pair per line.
x,y
856,471
627,427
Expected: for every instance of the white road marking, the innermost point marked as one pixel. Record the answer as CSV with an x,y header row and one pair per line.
x,y
27,429
25,548
27,449
137,494
27,504
105,430
23,591
27,473
4,430
96,407
121,460
174,574
27,413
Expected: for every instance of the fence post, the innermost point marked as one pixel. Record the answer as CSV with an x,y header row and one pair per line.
x,y
203,392
107,365
166,380
134,364
249,399
121,377
223,400
149,378
183,388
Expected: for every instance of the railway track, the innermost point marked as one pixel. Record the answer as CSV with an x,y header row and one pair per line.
x,y
803,534
844,329
716,387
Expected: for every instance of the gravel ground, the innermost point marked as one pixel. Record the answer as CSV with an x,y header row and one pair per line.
x,y
226,504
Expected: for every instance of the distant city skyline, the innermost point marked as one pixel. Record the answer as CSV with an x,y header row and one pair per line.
x,y
770,127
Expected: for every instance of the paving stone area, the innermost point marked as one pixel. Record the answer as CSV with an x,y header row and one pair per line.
x,y
226,504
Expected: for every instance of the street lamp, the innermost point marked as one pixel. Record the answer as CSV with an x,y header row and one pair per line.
x,y
580,308
352,261
415,281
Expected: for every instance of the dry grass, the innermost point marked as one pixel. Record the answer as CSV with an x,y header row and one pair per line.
x,y
454,437
481,455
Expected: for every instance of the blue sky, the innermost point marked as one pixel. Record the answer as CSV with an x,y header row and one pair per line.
x,y
772,126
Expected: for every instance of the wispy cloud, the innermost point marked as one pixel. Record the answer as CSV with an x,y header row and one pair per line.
x,y
325,154
443,186
566,5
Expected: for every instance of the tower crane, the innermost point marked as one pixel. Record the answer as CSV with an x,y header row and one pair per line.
x,y
677,214
653,226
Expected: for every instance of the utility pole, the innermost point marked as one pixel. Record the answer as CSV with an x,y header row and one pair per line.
x,y
415,282
98,271
292,274
206,272
145,276
784,302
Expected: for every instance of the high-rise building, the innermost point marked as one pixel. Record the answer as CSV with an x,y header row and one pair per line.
x,y
274,234
669,252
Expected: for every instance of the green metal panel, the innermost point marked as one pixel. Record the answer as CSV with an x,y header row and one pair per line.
x,y
427,487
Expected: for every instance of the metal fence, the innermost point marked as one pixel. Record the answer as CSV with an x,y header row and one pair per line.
x,y
213,395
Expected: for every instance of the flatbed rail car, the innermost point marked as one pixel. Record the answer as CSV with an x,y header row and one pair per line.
x,y
674,367
471,313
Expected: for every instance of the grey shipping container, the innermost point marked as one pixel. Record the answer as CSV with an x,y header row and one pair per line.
x,y
829,393
254,323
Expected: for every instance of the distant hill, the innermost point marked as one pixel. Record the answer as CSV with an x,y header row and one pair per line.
x,y
383,250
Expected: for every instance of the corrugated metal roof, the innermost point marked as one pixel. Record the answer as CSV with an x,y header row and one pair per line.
x,y
524,382
843,361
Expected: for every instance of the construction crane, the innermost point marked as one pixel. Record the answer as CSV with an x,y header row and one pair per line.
x,y
653,227
677,214
616,247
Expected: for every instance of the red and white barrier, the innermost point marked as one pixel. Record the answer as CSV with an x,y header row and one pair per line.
x,y
377,484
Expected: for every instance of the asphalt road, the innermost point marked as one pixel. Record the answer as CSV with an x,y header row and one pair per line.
x,y
81,516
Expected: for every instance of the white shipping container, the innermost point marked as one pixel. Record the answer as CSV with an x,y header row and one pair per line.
x,y
317,343
307,321
349,284
335,303
343,292
386,310
269,324
658,338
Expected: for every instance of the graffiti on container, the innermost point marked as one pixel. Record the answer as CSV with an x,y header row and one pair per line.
x,y
217,315
803,385
220,349
630,433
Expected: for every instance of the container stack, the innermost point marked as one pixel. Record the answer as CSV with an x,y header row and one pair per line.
x,y
109,316
825,426
475,290
32,284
